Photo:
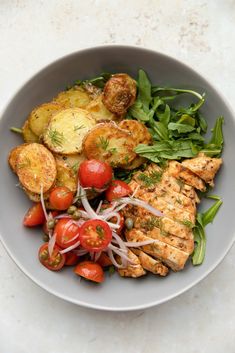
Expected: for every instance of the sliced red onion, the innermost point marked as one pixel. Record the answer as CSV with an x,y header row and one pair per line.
x,y
92,255
114,262
74,246
43,203
119,241
120,253
97,256
136,244
80,252
99,207
143,204
135,191
113,214
63,215
110,209
51,244
75,237
90,212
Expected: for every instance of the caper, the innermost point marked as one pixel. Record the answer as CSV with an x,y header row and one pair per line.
x,y
45,237
76,215
51,224
71,209
129,223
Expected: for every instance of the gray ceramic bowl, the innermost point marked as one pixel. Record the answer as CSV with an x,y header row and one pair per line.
x,y
22,244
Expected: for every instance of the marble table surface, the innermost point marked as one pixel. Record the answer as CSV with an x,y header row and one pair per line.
x,y
34,33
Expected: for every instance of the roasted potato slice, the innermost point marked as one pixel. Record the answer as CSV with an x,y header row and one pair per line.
x,y
119,93
36,197
28,134
65,176
72,161
66,130
40,116
13,155
140,134
138,130
108,143
98,110
75,97
36,168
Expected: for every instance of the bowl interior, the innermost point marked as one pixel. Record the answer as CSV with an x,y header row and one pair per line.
x,y
22,244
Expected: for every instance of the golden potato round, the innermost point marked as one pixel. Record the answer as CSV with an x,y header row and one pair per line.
x,y
36,197
66,130
119,93
13,155
40,116
75,97
72,161
138,130
36,168
108,143
99,111
65,176
28,134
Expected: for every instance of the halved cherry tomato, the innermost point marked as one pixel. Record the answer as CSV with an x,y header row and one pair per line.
x,y
61,198
71,258
90,270
67,232
114,219
117,189
34,216
95,174
45,228
104,260
95,235
54,262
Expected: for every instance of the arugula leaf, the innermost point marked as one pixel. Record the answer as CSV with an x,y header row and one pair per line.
x,y
214,147
144,89
181,128
168,150
209,215
200,243
137,112
161,130
199,230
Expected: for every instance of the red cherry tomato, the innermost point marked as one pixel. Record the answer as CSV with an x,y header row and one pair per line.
x,y
67,233
61,198
34,216
95,174
117,189
95,235
114,219
104,260
54,262
90,270
71,259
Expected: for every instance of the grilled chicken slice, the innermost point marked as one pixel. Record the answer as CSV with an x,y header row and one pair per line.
x,y
150,264
178,171
203,166
170,196
171,256
134,269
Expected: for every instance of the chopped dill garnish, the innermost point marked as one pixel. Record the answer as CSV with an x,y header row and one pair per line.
x,y
150,223
104,143
56,137
77,127
151,179
187,223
